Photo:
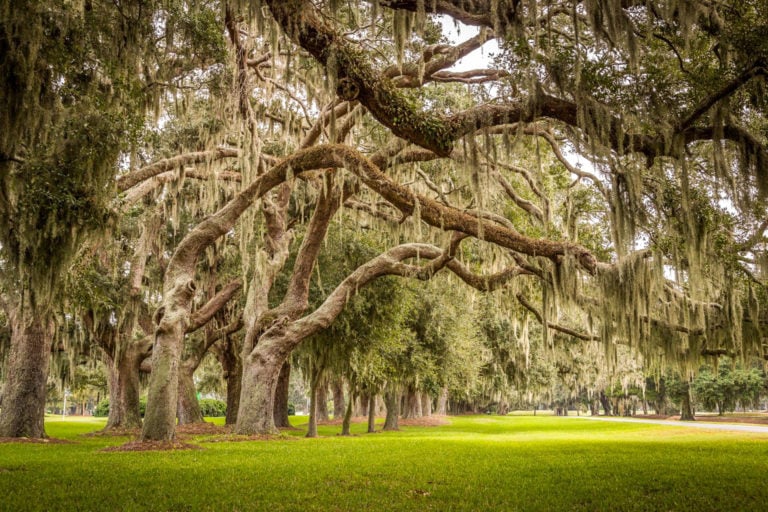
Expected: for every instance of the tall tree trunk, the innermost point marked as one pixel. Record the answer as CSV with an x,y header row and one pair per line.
x,y
281,396
347,416
313,397
607,409
410,399
372,413
426,404
686,409
392,402
229,358
188,406
257,398
322,401
124,410
162,399
442,402
29,358
362,404
339,409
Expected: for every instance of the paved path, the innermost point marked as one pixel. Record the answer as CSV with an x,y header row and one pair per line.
x,y
733,427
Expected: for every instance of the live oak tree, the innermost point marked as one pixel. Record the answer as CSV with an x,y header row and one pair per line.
x,y
333,109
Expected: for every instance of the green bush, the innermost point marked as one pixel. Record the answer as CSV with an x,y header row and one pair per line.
x,y
102,409
212,408
291,409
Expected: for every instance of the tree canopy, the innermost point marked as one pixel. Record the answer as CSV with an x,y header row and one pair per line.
x,y
602,176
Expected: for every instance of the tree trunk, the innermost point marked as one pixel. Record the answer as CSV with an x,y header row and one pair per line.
x,y
188,407
426,404
281,396
162,399
607,410
686,412
372,414
362,405
339,409
410,400
233,373
321,405
347,416
442,402
124,390
313,395
392,402
257,405
29,358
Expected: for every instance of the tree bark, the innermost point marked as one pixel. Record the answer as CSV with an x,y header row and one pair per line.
x,y
392,402
321,394
339,409
442,402
313,399
228,353
607,409
29,358
372,414
281,396
188,407
686,409
426,404
124,389
347,417
257,408
361,405
162,399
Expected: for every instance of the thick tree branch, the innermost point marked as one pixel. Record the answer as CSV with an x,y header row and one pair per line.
x,y
167,164
204,314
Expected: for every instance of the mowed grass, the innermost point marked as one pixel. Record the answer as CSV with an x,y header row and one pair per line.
x,y
475,463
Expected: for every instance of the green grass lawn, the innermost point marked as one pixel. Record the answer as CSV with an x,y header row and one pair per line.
x,y
475,463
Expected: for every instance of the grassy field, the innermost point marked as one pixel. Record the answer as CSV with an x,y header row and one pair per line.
x,y
475,463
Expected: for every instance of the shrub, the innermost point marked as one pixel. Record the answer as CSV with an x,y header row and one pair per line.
x,y
212,408
291,409
102,409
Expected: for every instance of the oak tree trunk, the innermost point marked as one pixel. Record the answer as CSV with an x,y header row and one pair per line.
x,y
322,401
172,319
686,409
233,373
188,408
371,414
392,402
281,396
426,404
124,391
261,372
23,410
607,409
313,395
339,409
442,402
347,417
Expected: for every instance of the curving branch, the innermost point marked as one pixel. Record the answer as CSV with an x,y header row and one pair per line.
x,y
565,330
133,178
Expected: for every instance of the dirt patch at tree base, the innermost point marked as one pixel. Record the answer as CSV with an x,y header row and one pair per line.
x,y
204,428
146,446
236,438
35,440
